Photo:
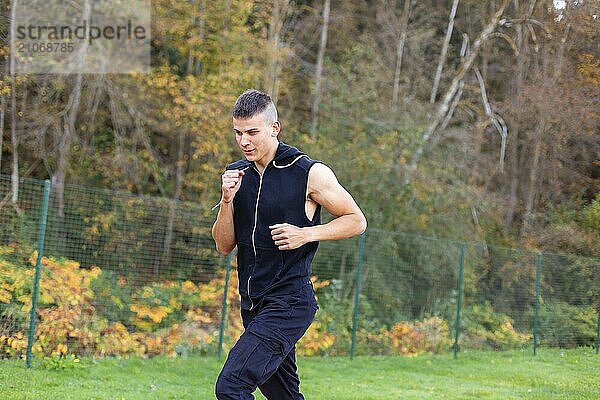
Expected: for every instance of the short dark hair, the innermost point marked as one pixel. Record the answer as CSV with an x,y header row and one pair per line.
x,y
253,102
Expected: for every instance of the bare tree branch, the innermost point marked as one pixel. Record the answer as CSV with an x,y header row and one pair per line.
x,y
442,60
495,119
319,71
442,109
400,52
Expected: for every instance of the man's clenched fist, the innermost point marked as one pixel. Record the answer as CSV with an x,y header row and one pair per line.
x,y
288,236
232,180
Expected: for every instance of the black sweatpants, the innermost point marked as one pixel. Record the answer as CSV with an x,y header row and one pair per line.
x,y
265,354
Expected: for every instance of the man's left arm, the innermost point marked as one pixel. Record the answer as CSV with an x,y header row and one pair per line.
x,y
324,189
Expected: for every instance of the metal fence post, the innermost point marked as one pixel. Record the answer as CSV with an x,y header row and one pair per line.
x,y
538,278
38,267
598,332
459,297
224,306
361,250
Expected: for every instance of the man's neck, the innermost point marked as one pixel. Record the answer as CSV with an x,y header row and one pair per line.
x,y
263,162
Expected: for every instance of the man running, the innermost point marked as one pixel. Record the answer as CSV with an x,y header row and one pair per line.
x,y
270,208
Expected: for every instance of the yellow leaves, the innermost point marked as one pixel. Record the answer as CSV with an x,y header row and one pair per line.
x,y
319,284
17,342
197,315
15,281
175,304
100,223
33,258
61,349
117,301
315,340
422,220
589,69
4,250
5,295
188,287
95,272
147,293
155,314
412,338
161,318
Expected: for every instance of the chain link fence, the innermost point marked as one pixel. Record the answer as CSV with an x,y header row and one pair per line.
x,y
133,275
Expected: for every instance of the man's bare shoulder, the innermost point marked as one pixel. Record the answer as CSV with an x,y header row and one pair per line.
x,y
320,178
320,172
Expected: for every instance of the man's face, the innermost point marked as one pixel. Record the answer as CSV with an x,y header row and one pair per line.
x,y
255,137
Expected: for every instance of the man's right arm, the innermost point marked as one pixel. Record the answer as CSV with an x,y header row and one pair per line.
x,y
223,231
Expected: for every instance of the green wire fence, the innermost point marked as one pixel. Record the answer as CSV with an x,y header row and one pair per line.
x,y
106,273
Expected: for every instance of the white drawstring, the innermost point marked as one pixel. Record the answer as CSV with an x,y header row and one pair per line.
x,y
287,165
221,201
275,165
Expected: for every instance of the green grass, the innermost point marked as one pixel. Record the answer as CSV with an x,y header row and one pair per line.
x,y
552,374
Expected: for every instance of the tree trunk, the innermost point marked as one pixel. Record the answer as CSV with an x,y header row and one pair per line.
x,y
513,157
513,176
342,278
70,117
201,33
319,71
440,67
442,109
14,140
400,53
533,173
173,203
64,149
273,44
227,15
3,109
13,116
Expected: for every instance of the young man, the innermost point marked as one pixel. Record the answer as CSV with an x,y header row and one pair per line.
x,y
270,208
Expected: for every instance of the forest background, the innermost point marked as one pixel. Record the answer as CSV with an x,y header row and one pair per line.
x,y
472,120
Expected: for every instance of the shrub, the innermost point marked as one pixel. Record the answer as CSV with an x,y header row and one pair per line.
x,y
482,327
431,335
565,325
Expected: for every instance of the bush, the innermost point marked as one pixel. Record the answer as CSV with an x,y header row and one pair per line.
x,y
93,312
81,312
482,327
431,335
565,325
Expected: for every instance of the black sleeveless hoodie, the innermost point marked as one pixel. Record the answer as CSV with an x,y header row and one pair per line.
x,y
278,196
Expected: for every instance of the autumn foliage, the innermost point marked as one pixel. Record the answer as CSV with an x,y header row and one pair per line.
x,y
91,312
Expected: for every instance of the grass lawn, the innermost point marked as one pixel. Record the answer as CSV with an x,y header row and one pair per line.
x,y
552,374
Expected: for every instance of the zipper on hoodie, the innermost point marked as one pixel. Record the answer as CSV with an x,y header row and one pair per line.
x,y
254,230
256,213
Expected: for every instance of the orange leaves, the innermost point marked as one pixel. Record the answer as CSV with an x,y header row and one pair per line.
x,y
316,340
319,284
412,338
90,312
15,344
197,315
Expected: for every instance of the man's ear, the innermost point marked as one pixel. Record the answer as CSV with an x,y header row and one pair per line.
x,y
276,127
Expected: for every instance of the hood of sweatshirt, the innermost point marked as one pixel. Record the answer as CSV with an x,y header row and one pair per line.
x,y
285,156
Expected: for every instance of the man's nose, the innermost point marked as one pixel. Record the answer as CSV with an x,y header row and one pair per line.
x,y
244,141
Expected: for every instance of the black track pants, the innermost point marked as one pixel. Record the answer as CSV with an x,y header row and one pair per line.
x,y
265,355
